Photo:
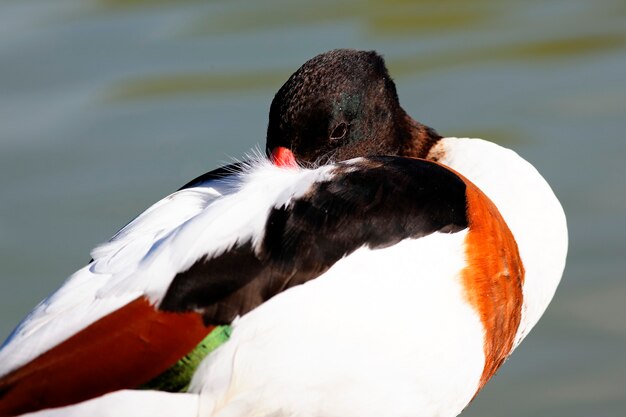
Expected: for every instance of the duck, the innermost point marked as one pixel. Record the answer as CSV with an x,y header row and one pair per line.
x,y
363,266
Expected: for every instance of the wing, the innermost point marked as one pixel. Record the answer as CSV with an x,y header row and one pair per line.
x,y
207,254
373,202
82,331
80,300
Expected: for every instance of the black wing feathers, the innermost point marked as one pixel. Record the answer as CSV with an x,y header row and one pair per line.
x,y
376,202
216,174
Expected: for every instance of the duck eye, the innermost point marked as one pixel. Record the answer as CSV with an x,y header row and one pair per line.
x,y
339,131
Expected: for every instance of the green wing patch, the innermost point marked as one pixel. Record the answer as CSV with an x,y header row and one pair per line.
x,y
178,377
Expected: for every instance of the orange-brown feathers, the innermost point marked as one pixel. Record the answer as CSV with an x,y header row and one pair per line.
x,y
493,278
124,349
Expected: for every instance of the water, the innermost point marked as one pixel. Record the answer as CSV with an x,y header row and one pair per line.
x,y
106,106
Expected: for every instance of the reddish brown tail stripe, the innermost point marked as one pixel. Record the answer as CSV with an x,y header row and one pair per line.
x,y
121,350
493,278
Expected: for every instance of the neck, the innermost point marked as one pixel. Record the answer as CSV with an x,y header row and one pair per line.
x,y
416,139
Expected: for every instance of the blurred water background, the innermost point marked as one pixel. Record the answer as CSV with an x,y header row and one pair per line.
x,y
107,106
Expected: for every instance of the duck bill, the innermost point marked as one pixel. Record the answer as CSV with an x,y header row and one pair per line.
x,y
283,157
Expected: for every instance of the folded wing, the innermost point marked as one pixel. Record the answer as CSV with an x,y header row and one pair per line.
x,y
205,255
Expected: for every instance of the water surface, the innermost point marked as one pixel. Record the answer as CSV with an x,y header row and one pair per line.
x,y
106,106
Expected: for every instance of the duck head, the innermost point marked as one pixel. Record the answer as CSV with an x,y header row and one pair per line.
x,y
340,105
